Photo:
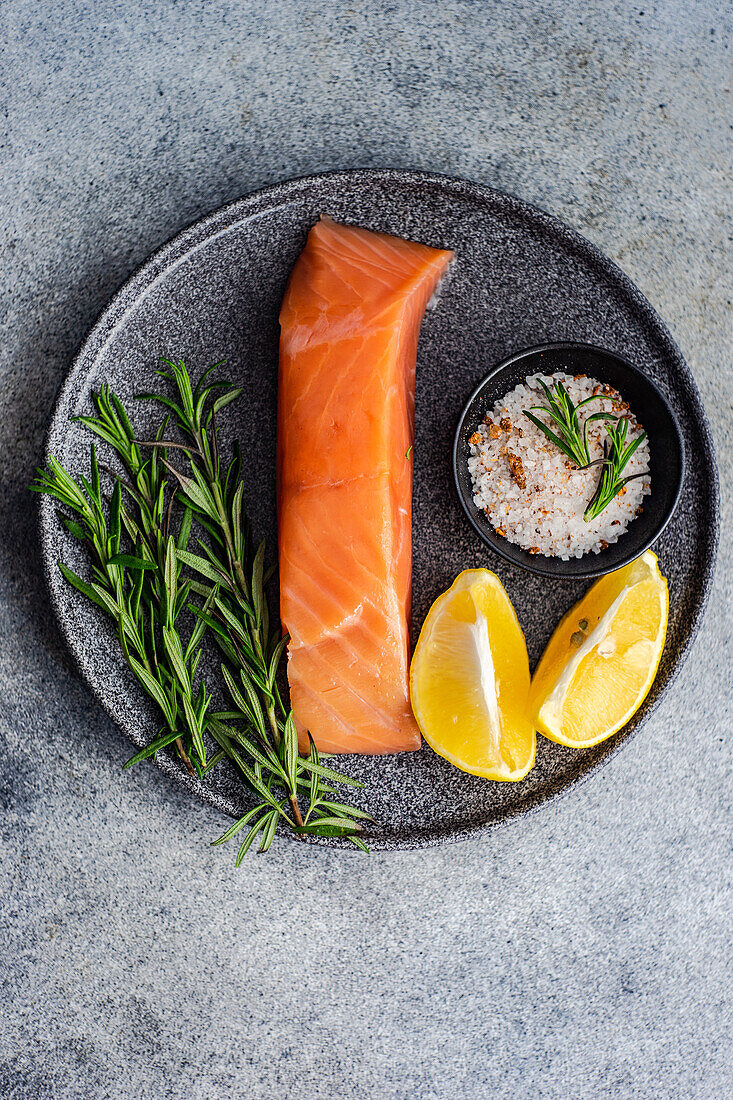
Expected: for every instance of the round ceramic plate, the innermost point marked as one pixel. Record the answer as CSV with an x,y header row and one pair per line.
x,y
522,278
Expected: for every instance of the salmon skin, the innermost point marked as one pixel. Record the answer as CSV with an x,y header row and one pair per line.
x,y
350,323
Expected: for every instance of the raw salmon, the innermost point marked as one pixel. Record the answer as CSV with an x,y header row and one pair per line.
x,y
350,323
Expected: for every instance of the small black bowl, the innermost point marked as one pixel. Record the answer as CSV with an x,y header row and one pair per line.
x,y
649,406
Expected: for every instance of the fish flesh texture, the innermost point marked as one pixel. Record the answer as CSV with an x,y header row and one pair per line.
x,y
350,323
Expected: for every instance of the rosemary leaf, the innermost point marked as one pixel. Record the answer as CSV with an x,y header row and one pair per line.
x,y
249,839
238,825
131,562
160,742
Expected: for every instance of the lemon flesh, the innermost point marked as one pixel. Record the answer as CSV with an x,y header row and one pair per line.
x,y
469,680
601,661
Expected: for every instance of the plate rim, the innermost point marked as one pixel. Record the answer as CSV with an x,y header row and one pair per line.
x,y
199,233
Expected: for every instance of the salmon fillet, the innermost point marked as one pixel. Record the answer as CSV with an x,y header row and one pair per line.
x,y
350,323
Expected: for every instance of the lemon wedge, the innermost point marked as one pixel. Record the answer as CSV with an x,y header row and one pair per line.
x,y
469,680
601,661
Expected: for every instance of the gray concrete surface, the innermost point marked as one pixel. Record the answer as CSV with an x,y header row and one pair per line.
x,y
584,952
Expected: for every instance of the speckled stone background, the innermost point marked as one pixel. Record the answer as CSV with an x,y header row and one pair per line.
x,y
581,952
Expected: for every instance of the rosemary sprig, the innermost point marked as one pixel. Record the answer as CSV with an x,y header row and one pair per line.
x,y
573,442
569,437
232,581
140,591
145,590
616,454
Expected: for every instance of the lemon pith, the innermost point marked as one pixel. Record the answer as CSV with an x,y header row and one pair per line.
x,y
469,680
603,657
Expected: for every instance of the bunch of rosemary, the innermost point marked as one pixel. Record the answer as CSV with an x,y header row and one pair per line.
x,y
573,442
145,577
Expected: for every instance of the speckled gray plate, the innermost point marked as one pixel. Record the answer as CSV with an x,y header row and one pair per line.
x,y
522,278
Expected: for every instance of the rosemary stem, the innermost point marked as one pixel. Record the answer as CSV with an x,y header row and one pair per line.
x,y
293,799
185,757
234,562
272,721
210,463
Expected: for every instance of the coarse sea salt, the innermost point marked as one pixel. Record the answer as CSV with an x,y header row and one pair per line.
x,y
532,493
